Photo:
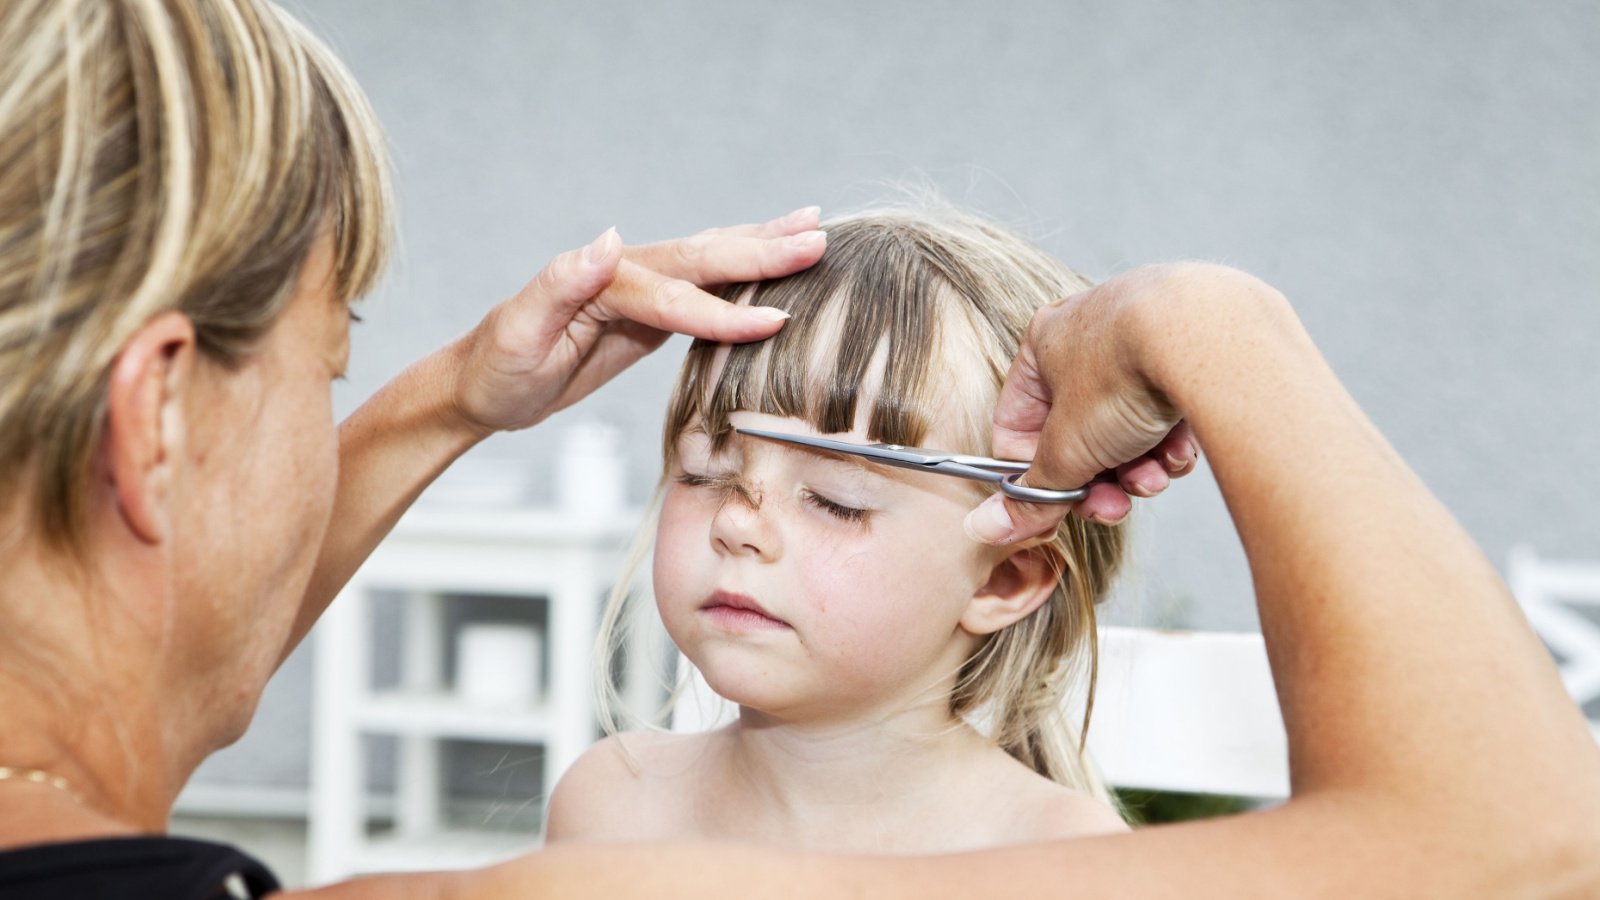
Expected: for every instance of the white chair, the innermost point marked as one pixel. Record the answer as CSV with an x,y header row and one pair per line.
x,y
1551,592
1176,711
1190,711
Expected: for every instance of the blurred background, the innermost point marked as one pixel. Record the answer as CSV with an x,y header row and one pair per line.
x,y
1422,179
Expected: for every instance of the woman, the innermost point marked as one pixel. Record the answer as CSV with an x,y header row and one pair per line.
x,y
190,193
190,190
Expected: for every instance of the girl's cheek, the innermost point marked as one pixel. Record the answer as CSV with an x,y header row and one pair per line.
x,y
852,584
824,570
676,538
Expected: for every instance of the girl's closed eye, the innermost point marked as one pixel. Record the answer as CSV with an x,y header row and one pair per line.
x,y
690,479
723,483
834,508
728,483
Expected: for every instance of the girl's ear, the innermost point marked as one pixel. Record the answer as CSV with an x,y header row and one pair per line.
x,y
1018,585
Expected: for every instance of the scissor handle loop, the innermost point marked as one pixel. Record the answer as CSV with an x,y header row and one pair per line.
x,y
1010,488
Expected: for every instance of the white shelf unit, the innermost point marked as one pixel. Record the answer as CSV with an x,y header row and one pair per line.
x,y
433,554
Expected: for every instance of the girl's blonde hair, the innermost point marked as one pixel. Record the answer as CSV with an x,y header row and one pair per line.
x,y
945,297
160,155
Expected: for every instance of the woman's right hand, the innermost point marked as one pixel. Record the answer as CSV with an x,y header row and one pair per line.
x,y
593,312
1084,401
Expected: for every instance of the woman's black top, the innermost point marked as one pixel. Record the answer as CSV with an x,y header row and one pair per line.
x,y
132,868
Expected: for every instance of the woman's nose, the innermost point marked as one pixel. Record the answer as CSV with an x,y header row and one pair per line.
x,y
741,528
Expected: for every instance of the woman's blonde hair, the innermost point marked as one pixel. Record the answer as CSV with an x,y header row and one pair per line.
x,y
942,297
160,155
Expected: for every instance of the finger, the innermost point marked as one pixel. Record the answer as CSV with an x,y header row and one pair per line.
x,y
1107,504
805,218
544,309
1178,451
1063,458
711,259
670,304
621,345
1022,408
1001,521
1143,477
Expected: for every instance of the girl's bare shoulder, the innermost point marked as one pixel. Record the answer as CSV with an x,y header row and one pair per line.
x,y
632,786
1038,809
1065,812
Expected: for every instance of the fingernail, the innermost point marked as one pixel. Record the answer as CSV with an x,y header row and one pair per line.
x,y
1182,458
989,523
804,213
1097,519
1149,487
600,247
806,240
769,313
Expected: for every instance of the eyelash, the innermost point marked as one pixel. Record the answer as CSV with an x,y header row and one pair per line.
x,y
700,481
832,507
836,509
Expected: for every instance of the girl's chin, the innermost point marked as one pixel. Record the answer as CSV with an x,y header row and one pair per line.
x,y
749,685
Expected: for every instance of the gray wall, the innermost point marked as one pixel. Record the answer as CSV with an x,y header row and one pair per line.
x,y
1422,179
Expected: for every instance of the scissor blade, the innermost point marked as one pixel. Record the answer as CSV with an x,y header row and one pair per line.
x,y
981,468
892,454
987,463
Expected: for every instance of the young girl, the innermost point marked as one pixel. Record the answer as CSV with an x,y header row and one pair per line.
x,y
900,686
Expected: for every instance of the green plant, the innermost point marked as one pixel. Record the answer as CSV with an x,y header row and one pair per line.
x,y
1155,807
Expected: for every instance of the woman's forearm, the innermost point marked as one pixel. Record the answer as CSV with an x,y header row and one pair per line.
x,y
390,448
1403,665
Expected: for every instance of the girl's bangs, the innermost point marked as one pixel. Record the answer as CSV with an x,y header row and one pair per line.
x,y
863,320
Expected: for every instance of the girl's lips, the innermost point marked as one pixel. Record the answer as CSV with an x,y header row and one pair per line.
x,y
738,612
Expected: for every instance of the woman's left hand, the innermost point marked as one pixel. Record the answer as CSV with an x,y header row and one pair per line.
x,y
593,312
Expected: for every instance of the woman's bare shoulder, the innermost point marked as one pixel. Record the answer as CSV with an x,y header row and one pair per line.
x,y
630,786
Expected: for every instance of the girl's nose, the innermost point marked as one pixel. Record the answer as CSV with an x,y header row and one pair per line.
x,y
741,528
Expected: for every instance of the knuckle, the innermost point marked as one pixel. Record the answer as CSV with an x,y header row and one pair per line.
x,y
549,279
691,252
670,293
1041,322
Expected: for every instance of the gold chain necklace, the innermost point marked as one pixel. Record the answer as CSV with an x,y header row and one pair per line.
x,y
39,776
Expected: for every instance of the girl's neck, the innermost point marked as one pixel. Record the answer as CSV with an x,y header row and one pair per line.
x,y
846,783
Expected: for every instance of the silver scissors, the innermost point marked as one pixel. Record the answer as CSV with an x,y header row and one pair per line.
x,y
1001,472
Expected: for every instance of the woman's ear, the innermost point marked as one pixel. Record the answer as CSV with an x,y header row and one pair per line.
x,y
145,421
1018,584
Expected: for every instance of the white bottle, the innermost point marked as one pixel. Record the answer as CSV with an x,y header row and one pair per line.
x,y
498,665
591,472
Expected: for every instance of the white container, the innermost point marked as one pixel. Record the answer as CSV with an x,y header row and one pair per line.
x,y
498,665
591,472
